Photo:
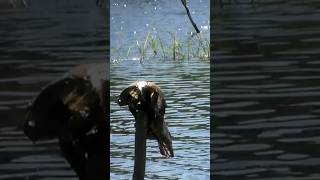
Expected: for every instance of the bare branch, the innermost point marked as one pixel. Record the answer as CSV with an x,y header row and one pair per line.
x,y
184,3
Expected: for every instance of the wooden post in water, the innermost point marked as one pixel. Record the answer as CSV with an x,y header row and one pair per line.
x,y
140,145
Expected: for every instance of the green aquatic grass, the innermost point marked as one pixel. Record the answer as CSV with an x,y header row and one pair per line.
x,y
152,46
143,49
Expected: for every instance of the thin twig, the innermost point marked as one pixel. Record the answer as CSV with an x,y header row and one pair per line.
x,y
184,3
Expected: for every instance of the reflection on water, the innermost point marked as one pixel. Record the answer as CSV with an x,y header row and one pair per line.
x,y
186,87
38,44
265,84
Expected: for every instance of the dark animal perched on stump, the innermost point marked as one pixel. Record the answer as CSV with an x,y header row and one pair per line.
x,y
147,104
147,96
73,109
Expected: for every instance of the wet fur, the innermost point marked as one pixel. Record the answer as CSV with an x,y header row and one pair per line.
x,y
150,99
72,110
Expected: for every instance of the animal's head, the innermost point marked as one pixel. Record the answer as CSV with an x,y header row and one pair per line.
x,y
130,96
46,113
62,109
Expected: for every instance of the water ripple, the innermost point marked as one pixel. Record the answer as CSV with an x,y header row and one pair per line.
x,y
265,89
187,114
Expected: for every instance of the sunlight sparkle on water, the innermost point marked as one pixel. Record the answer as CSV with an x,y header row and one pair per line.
x,y
205,27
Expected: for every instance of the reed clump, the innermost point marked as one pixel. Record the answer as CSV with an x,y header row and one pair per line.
x,y
152,46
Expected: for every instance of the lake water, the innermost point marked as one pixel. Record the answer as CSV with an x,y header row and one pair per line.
x,y
185,85
132,20
186,88
38,44
265,91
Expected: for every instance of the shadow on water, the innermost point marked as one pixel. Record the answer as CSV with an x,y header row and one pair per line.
x,y
38,44
265,89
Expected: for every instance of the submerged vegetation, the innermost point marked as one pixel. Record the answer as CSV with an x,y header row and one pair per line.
x,y
152,46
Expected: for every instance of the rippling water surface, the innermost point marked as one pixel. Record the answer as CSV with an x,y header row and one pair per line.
x,y
186,88
185,84
38,44
265,91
